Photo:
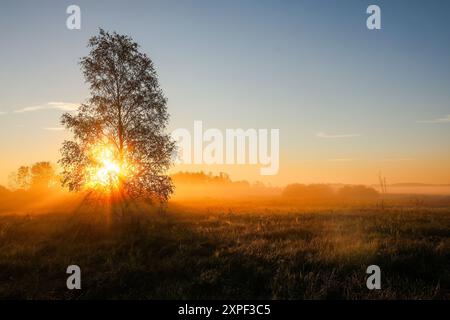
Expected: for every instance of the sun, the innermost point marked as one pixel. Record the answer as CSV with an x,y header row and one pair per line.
x,y
107,170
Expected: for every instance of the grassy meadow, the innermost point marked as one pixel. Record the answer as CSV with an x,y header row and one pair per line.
x,y
217,251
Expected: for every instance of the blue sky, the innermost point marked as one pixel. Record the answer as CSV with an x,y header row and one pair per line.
x,y
348,101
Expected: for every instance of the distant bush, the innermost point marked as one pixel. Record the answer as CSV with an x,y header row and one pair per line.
x,y
326,194
310,192
357,193
4,191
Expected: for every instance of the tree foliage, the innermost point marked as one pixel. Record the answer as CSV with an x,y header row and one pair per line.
x,y
127,109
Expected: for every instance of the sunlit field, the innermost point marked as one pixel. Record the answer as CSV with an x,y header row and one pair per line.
x,y
233,251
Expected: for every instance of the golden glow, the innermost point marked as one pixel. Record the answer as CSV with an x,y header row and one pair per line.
x,y
107,170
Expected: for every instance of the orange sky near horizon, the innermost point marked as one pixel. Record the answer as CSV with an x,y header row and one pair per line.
x,y
312,168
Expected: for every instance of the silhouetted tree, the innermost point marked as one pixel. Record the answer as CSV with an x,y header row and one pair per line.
x,y
128,109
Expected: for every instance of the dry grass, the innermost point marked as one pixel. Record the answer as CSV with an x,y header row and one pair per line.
x,y
229,253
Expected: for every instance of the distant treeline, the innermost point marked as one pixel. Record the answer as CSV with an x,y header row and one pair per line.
x,y
201,184
201,178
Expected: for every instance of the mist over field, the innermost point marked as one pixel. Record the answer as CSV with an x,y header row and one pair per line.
x,y
205,188
219,239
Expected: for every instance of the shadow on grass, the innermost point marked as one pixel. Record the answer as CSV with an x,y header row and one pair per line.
x,y
184,255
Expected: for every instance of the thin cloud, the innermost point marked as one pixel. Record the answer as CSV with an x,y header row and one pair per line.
x,y
397,159
53,128
62,106
336,136
438,120
2,113
341,160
